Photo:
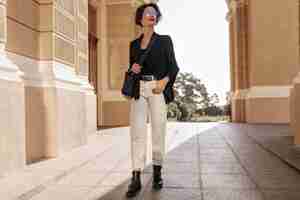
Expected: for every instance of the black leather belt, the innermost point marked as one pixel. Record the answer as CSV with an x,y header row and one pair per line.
x,y
147,78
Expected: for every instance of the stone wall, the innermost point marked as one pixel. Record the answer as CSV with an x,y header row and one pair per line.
x,y
48,40
12,108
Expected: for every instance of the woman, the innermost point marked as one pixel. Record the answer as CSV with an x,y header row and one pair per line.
x,y
158,73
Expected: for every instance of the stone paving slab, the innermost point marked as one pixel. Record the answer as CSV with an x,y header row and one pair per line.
x,y
84,167
281,194
41,175
204,161
168,194
232,194
277,139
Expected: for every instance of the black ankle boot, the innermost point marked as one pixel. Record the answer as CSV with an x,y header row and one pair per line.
x,y
157,183
135,186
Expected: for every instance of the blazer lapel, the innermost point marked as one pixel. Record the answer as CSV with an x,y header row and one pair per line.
x,y
141,37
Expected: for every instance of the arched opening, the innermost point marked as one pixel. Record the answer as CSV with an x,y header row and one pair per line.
x,y
116,29
250,94
201,41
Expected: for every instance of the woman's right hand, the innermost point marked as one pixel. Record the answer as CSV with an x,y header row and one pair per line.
x,y
136,68
127,97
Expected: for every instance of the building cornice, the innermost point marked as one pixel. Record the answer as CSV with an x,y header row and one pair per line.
x,y
49,74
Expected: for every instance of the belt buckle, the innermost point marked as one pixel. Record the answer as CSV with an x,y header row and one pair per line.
x,y
148,77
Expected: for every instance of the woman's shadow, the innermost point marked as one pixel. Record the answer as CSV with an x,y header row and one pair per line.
x,y
119,192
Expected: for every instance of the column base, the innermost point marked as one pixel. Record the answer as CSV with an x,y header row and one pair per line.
x,y
295,110
90,105
111,113
57,108
268,110
238,106
112,104
262,105
268,104
12,117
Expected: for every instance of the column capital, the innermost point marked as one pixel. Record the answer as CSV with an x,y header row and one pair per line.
x,y
233,5
136,3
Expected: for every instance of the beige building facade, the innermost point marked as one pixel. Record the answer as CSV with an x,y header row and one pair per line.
x,y
48,105
62,64
264,59
264,62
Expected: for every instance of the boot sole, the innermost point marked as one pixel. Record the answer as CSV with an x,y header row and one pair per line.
x,y
133,194
157,187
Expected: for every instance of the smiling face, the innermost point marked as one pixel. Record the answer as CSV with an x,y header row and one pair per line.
x,y
149,17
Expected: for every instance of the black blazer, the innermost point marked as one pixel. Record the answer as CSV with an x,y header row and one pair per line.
x,y
161,58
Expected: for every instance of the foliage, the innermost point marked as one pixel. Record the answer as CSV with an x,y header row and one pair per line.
x,y
192,100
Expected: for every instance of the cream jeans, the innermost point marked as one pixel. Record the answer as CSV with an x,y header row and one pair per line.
x,y
155,105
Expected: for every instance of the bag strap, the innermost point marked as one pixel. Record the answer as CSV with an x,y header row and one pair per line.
x,y
144,56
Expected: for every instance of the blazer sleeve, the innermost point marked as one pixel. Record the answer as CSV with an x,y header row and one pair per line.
x,y
172,67
131,55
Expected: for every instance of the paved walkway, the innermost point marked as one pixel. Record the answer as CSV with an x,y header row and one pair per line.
x,y
204,162
277,139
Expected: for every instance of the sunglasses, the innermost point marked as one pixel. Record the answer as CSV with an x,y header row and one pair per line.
x,y
150,13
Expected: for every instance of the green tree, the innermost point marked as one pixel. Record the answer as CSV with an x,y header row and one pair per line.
x,y
192,97
227,107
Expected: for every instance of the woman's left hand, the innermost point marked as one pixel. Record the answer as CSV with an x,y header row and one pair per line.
x,y
160,85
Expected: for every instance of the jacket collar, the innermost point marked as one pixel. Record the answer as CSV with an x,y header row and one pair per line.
x,y
142,35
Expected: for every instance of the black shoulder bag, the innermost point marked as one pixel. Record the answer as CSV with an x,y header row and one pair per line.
x,y
131,79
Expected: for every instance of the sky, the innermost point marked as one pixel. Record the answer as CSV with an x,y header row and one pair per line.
x,y
201,40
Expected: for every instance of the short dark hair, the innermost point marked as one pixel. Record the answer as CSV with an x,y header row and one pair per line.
x,y
140,11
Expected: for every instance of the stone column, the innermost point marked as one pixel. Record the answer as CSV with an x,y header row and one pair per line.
x,y
232,57
82,64
273,59
12,114
115,33
244,43
294,103
102,57
73,97
244,65
237,17
293,100
295,110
